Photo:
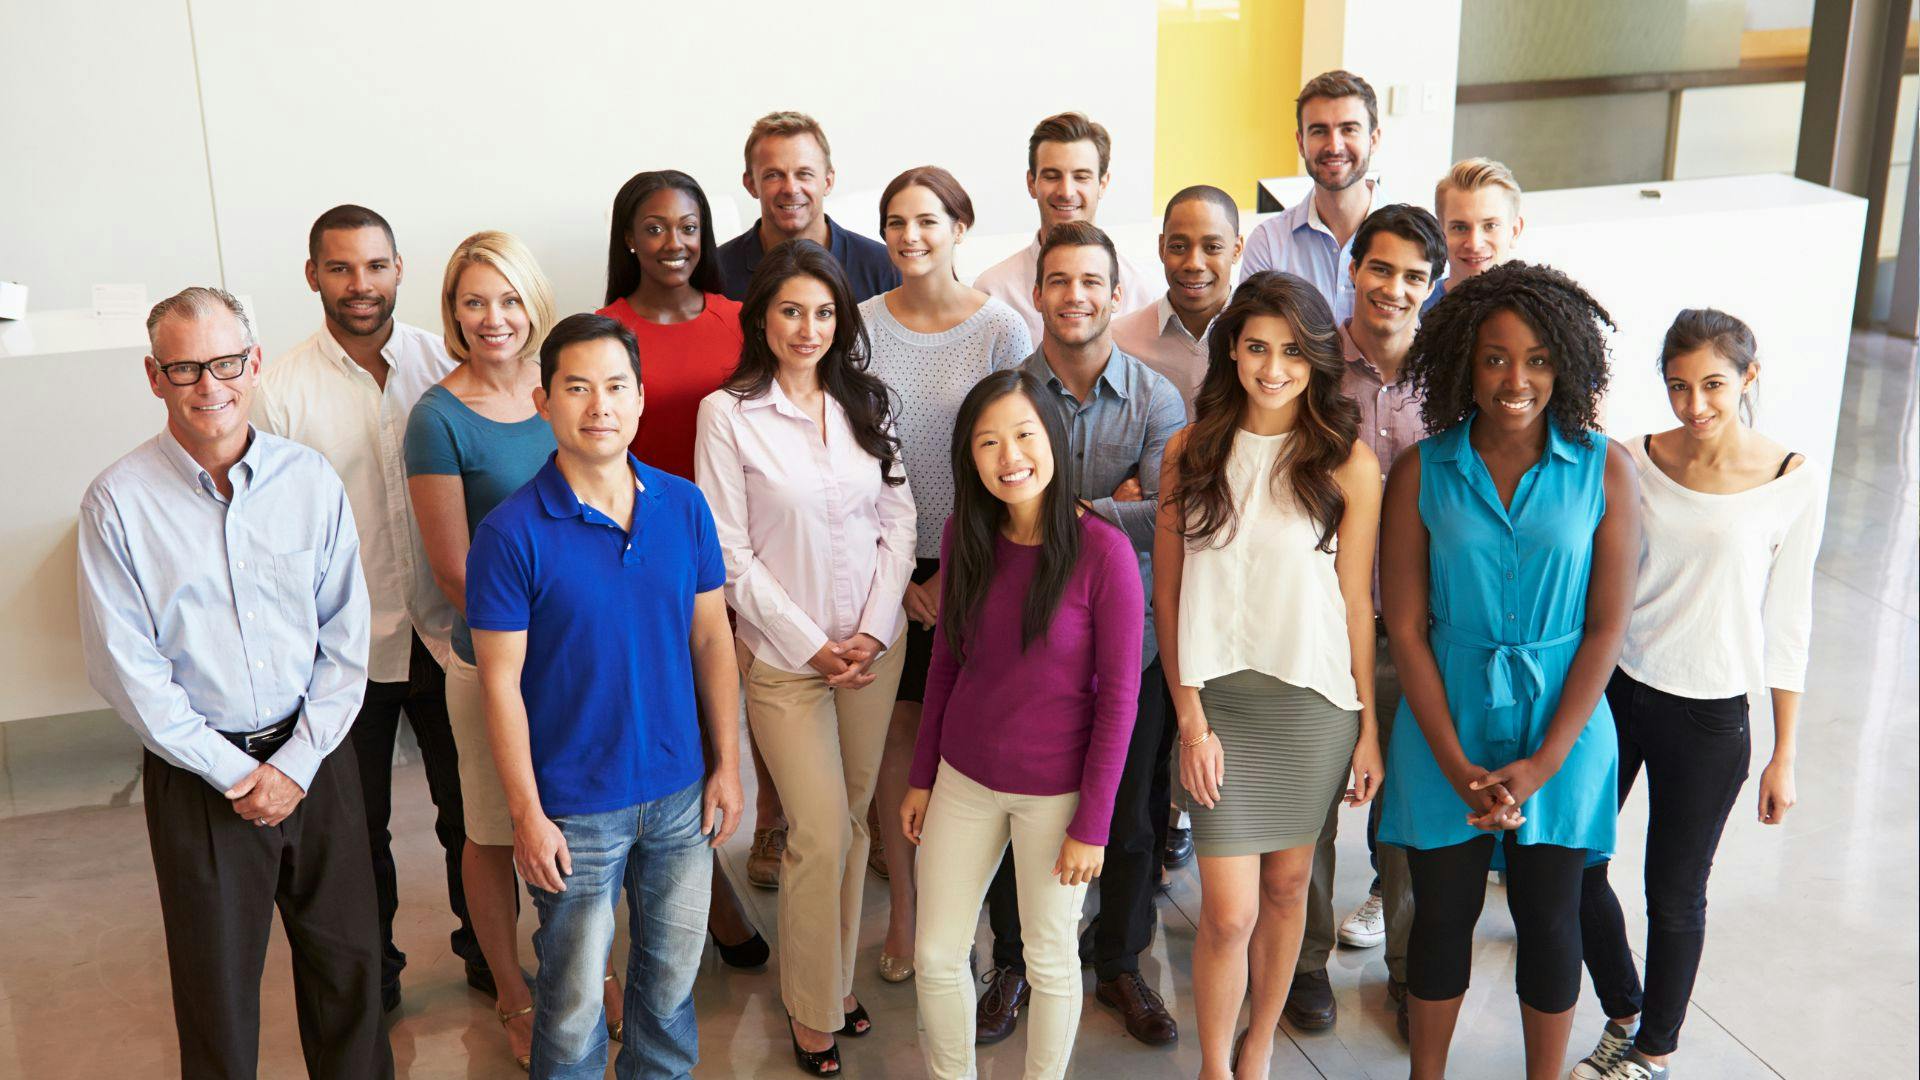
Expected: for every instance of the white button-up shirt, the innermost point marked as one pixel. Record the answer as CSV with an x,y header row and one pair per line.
x,y
315,394
818,547
1160,340
1011,281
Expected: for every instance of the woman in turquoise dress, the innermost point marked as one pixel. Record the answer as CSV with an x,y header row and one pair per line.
x,y
1507,567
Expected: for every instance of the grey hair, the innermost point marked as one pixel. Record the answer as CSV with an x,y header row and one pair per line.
x,y
196,302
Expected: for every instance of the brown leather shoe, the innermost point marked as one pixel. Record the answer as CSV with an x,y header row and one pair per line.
x,y
1310,1005
1146,1015
1007,993
763,859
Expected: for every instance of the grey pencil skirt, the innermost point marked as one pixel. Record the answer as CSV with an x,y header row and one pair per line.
x,y
1288,754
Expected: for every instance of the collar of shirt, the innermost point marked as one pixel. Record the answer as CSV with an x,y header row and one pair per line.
x,y
558,499
1171,325
1306,213
194,474
776,398
836,241
1357,360
1452,445
1118,375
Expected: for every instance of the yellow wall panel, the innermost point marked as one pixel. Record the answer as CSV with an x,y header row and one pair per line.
x,y
1228,71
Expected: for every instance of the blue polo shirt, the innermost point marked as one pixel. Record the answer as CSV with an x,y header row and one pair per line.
x,y
608,682
865,261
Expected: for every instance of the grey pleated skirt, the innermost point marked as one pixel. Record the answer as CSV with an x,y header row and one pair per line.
x,y
1289,752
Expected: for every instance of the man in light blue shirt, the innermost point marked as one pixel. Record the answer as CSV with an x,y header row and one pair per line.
x,y
225,618
1338,119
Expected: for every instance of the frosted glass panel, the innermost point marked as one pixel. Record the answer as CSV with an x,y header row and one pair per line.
x,y
1518,40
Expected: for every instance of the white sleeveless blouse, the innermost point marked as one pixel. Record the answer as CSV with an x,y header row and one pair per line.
x,y
1267,600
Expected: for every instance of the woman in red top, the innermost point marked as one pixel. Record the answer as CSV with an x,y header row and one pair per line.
x,y
663,283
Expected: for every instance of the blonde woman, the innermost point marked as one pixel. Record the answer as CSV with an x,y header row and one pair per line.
x,y
473,439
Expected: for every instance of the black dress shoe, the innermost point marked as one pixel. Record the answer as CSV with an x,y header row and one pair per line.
x,y
1310,1004
480,977
1179,849
389,997
999,1008
747,955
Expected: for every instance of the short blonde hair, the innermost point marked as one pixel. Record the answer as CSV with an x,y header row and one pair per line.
x,y
1472,175
785,125
505,253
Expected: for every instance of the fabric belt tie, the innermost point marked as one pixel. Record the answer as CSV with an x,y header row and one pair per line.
x,y
1503,720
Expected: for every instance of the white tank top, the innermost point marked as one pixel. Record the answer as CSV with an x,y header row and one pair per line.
x,y
1267,601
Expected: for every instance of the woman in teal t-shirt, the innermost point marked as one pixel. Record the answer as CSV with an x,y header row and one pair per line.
x,y
1511,541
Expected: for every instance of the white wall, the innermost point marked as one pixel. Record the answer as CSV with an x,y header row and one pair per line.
x,y
491,114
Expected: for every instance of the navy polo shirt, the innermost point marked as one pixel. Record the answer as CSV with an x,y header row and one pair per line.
x,y
865,261
608,681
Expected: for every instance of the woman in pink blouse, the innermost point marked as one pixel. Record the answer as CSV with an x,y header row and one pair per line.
x,y
797,456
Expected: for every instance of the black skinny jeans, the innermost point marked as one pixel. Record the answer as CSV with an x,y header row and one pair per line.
x,y
1696,754
1543,894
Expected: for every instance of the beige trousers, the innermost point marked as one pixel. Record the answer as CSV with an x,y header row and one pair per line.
x,y
822,747
967,830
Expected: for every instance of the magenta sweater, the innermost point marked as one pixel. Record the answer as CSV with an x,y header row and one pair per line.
x,y
1056,717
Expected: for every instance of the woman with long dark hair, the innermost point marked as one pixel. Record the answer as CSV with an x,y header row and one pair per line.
x,y
1723,607
1506,575
1270,505
797,456
1030,701
933,338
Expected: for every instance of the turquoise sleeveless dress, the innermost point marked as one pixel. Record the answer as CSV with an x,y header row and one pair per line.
x,y
1508,595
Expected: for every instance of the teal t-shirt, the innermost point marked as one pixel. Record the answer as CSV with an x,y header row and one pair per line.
x,y
493,460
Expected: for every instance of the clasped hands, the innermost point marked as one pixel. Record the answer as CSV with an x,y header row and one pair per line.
x,y
845,663
266,796
1494,796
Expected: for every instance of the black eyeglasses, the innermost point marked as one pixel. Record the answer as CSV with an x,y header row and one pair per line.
x,y
187,372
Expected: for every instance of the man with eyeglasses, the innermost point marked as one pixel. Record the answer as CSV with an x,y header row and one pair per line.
x,y
225,618
347,392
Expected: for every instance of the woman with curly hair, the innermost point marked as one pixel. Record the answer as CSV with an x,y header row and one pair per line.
x,y
1271,505
1507,572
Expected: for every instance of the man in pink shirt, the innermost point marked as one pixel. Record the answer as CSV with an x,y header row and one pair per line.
x,y
1398,254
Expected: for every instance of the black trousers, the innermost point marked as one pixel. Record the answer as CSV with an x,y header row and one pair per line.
x,y
221,877
1136,843
1543,893
423,697
1696,754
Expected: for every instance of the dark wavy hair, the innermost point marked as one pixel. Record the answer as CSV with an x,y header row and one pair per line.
x,y
1328,421
1567,319
977,515
623,268
843,370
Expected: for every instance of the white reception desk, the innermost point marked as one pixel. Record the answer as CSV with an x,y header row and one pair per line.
x,y
1778,252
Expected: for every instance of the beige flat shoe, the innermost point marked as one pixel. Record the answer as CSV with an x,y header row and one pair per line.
x,y
895,969
525,1061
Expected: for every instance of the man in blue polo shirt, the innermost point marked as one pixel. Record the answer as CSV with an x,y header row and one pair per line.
x,y
594,597
790,170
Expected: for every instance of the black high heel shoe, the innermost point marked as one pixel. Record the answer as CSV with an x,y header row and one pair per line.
x,y
814,1062
858,1024
747,955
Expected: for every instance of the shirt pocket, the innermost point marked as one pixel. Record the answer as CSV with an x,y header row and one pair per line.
x,y
294,586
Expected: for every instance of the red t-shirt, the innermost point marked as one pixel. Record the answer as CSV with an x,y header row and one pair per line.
x,y
680,363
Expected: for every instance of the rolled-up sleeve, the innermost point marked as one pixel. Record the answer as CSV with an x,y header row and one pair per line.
x,y
125,664
339,681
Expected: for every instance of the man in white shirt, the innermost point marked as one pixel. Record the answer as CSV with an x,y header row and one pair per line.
x,y
1067,159
347,391
1338,120
1199,243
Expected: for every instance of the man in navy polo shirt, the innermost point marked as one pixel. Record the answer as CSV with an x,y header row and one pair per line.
x,y
594,597
790,170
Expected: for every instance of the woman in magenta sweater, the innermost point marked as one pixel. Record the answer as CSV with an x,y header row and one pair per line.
x,y
1029,704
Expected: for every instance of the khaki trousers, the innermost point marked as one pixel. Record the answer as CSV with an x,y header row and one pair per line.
x,y
822,747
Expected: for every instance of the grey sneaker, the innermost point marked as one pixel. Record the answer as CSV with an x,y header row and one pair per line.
x,y
1633,1066
1615,1041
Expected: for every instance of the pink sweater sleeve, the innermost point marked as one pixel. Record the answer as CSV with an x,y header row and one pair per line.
x,y
942,671
1119,621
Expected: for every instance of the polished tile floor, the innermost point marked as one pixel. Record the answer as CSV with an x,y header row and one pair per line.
x,y
1809,969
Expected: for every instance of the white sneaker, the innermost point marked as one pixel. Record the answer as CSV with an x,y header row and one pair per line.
x,y
1614,1043
1634,1067
1366,927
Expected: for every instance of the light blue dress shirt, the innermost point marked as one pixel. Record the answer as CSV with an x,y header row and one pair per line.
x,y
201,614
1298,242
1121,431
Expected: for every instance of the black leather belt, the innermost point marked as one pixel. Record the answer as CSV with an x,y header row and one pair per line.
x,y
260,745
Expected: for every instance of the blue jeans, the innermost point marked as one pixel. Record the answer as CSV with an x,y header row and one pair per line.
x,y
658,853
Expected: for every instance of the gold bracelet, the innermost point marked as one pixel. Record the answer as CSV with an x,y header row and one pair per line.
x,y
1204,736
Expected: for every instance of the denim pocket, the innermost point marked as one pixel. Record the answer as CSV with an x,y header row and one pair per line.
x,y
1721,716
